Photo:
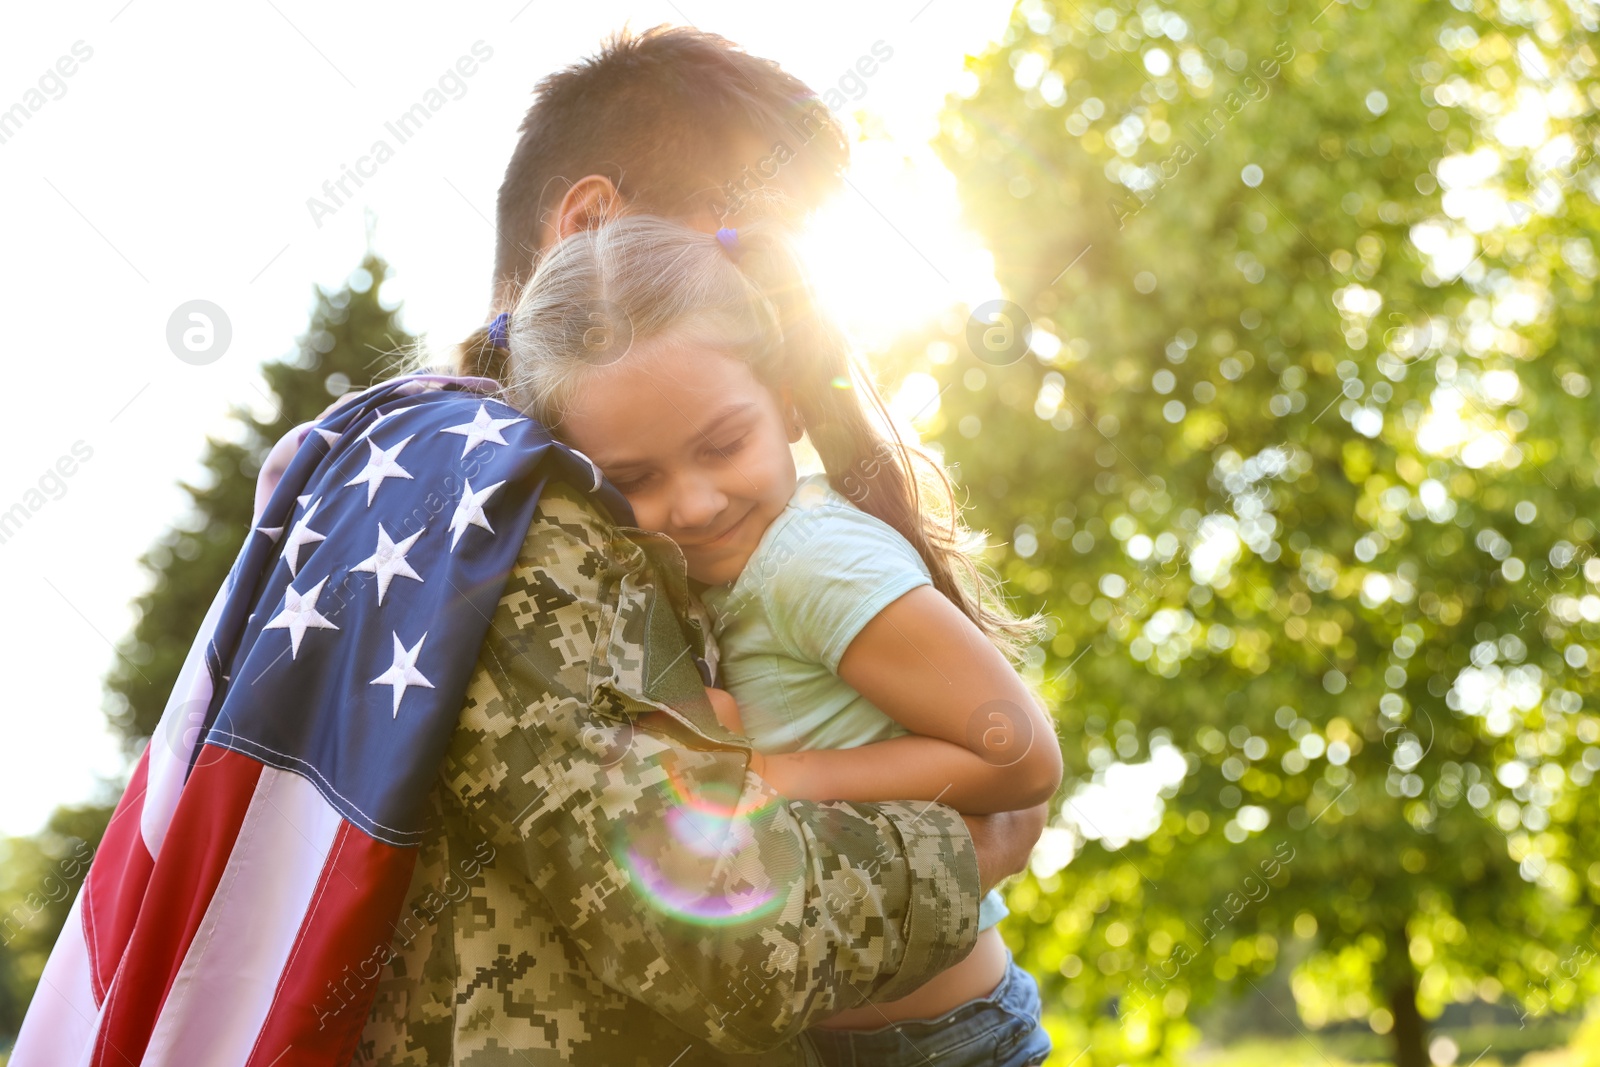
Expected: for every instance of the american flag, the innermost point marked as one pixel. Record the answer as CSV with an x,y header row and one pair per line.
x,y
266,838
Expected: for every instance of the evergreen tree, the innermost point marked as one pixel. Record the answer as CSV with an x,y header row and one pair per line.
x,y
354,339
39,877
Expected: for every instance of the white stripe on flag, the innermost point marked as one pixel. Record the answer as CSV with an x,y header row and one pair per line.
x,y
63,1019
225,986
175,736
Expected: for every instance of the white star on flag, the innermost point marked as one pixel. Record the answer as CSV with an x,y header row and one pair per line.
x,y
403,671
469,512
328,436
300,536
380,465
389,560
272,532
299,615
375,423
482,428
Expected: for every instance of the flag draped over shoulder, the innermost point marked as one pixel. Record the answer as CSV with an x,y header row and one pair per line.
x,y
264,843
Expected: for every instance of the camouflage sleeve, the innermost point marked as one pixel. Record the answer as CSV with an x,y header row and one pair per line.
x,y
685,881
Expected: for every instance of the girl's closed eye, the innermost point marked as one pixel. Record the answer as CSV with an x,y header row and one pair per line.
x,y
731,448
631,483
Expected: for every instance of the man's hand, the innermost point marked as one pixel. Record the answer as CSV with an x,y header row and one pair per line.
x,y
1004,840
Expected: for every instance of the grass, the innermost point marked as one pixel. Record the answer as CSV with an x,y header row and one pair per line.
x,y
1268,1053
1299,1052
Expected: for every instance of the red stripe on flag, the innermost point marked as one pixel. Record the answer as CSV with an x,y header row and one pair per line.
x,y
193,856
115,886
331,977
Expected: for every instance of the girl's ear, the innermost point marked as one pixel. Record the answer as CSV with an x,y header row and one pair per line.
x,y
793,423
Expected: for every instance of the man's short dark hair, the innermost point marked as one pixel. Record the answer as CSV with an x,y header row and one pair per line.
x,y
669,115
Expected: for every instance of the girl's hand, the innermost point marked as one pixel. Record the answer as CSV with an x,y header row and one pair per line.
x,y
726,710
723,706
657,720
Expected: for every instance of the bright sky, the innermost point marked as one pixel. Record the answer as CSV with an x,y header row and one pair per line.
x,y
174,164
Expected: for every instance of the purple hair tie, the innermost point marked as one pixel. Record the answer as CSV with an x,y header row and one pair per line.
x,y
497,330
728,238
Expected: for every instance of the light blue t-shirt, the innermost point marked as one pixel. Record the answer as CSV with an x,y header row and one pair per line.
x,y
820,573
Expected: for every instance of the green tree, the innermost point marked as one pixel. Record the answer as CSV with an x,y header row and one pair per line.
x,y
39,876
354,338
1299,460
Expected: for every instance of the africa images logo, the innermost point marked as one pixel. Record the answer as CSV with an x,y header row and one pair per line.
x,y
403,128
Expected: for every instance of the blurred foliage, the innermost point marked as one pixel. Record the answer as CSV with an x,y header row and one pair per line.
x,y
354,339
1301,463
39,876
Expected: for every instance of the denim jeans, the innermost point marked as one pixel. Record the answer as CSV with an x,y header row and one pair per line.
x,y
999,1030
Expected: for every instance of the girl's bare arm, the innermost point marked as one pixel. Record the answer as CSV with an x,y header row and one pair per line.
x,y
982,741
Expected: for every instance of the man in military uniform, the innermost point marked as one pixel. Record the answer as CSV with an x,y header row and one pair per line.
x,y
556,917
596,893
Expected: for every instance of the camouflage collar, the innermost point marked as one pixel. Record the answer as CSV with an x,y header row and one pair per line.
x,y
673,571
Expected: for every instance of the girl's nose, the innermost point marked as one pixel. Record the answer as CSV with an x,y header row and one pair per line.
x,y
697,503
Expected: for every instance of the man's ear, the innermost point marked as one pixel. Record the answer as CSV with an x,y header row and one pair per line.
x,y
587,202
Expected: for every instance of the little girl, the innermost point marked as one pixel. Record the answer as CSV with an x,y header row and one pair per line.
x,y
864,651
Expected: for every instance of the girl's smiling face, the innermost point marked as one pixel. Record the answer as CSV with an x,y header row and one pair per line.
x,y
698,445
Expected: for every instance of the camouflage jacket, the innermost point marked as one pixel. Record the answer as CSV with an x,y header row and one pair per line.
x,y
601,893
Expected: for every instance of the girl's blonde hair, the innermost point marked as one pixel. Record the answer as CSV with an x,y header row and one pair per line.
x,y
638,278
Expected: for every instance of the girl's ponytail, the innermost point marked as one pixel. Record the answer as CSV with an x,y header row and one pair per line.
x,y
746,294
854,434
479,357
